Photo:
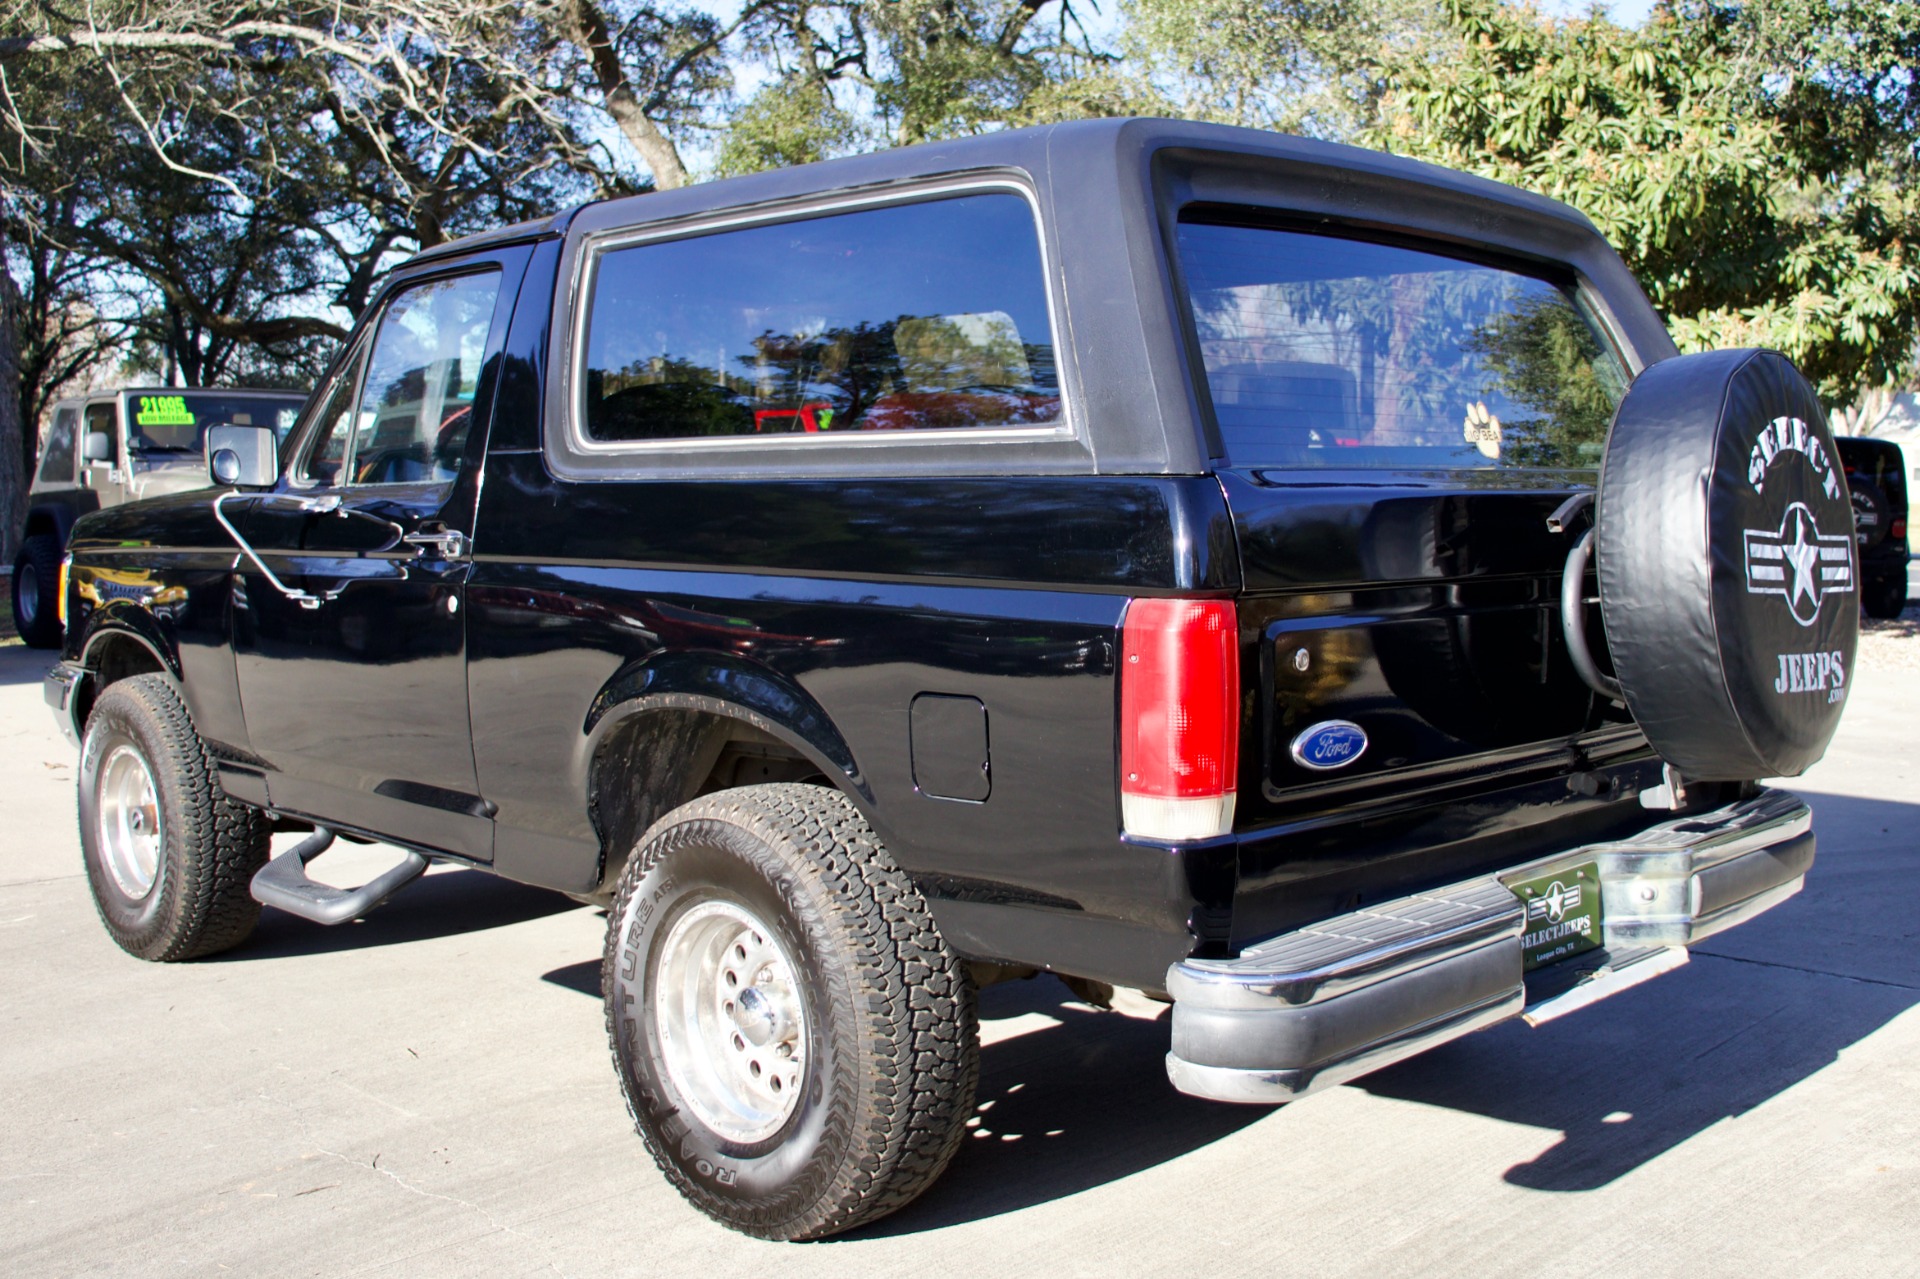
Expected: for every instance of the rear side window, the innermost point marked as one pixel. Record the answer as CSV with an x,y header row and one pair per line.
x,y
56,464
914,317
1326,351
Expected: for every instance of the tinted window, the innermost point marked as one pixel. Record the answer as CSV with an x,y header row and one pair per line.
x,y
912,317
1321,351
423,373
177,421
1878,462
56,466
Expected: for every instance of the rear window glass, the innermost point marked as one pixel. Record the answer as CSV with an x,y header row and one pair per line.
x,y
1326,351
177,421
1877,462
929,316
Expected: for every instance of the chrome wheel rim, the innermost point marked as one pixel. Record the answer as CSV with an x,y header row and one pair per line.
x,y
128,804
730,1021
27,592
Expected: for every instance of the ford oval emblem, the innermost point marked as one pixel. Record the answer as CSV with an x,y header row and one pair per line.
x,y
1332,743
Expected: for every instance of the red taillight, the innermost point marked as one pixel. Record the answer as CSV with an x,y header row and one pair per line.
x,y
1179,718
1898,531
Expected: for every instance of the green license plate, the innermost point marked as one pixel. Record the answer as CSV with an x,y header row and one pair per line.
x,y
1563,914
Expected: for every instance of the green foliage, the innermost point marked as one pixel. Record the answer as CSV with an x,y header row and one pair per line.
x,y
1748,226
791,121
1298,66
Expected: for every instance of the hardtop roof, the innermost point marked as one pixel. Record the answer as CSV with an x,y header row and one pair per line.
x,y
1033,150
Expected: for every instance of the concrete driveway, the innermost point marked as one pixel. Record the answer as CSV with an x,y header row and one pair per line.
x,y
427,1093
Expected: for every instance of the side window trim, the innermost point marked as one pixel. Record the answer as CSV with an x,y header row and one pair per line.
x,y
594,248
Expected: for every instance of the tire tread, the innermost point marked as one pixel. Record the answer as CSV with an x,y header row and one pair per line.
x,y
919,1055
210,907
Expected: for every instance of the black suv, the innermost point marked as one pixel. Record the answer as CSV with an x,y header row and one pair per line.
x,y
1877,481
1301,584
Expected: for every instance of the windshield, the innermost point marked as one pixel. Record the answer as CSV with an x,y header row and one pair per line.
x,y
177,421
1325,351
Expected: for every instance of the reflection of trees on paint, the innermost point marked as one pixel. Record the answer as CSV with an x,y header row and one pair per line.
x,y
913,372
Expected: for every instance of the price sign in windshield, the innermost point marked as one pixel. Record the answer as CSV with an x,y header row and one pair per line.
x,y
163,410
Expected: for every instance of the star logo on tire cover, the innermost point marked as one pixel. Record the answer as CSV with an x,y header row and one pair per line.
x,y
1799,562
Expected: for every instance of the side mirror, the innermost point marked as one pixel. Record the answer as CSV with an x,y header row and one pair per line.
x,y
243,456
99,447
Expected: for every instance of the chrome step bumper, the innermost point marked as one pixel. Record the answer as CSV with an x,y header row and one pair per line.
x,y
61,689
1334,1000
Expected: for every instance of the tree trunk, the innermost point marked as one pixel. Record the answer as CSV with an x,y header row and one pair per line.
x,y
14,444
586,27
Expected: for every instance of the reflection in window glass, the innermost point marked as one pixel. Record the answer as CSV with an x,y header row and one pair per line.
x,y
56,465
911,317
1322,351
422,375
328,453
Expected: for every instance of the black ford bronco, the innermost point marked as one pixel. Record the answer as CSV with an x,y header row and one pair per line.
x,y
1300,584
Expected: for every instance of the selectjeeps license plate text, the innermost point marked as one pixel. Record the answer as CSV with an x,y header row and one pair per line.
x,y
1563,914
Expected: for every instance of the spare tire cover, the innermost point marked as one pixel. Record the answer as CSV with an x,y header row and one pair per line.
x,y
1872,514
1727,566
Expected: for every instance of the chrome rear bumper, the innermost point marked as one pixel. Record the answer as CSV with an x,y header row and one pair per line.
x,y
1326,1003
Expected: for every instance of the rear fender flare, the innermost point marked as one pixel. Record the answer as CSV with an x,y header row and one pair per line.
x,y
753,694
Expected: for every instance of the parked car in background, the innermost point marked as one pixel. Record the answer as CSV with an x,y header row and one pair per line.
x,y
1877,482
116,446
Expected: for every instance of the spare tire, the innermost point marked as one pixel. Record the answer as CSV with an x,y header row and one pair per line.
x,y
1727,567
1872,513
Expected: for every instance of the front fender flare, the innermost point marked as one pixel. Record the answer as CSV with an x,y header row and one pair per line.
x,y
120,619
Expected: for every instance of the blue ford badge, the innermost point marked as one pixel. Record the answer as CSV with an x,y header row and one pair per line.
x,y
1332,743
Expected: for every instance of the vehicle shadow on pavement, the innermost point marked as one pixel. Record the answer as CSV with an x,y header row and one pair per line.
x,y
1060,1089
1757,1011
1078,1100
22,665
443,904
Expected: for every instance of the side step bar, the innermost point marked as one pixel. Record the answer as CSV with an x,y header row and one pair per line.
x,y
283,883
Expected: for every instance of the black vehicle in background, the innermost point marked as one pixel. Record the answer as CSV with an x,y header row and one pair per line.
x,y
1304,585
117,446
1877,482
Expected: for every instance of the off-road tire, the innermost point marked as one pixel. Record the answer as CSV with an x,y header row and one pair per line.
x,y
1886,597
1872,513
37,569
892,1057
211,844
